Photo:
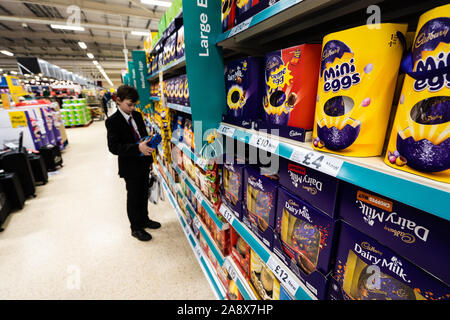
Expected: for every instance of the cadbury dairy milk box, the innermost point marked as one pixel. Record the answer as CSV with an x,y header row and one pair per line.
x,y
315,187
418,236
367,270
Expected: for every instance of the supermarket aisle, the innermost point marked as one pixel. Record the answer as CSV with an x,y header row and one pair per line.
x,y
73,241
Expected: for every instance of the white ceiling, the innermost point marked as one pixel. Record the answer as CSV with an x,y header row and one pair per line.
x,y
38,39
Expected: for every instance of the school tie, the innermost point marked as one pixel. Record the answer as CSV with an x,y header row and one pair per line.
x,y
135,135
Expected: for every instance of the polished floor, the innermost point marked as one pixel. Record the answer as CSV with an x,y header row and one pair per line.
x,y
73,240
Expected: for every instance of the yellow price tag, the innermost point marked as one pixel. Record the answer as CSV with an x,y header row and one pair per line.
x,y
18,119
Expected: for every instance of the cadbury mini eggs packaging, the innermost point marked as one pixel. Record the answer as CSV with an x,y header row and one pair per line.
x,y
243,82
358,74
420,137
291,84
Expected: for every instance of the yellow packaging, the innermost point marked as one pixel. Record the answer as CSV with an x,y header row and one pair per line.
x,y
357,80
419,141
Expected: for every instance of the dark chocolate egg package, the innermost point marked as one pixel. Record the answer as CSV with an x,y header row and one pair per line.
x,y
356,88
243,84
420,138
366,270
291,76
233,185
180,46
246,9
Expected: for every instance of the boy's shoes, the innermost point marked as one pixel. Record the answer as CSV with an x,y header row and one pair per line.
x,y
142,235
152,224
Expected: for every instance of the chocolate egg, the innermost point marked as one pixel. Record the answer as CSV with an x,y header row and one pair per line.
x,y
435,110
335,139
266,280
423,155
338,106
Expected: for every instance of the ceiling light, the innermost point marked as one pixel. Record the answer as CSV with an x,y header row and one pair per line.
x,y
157,3
95,62
90,55
13,72
66,27
82,45
140,33
6,52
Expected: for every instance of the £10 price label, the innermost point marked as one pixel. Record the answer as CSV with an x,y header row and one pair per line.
x,y
318,161
265,143
226,130
280,272
227,214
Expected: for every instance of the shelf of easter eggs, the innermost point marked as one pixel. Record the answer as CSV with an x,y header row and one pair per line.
x,y
281,15
179,107
290,281
226,262
201,256
169,68
152,51
370,173
201,198
198,160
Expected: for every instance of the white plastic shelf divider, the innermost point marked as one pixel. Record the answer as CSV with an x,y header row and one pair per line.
x,y
201,256
179,107
295,287
370,173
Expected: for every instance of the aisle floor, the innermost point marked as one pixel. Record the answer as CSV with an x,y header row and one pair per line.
x,y
73,240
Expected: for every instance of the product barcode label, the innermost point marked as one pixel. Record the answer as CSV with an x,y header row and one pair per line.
x,y
227,214
265,143
240,27
317,161
280,272
226,130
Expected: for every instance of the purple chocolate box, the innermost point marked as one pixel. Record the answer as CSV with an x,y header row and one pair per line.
x,y
306,233
180,43
416,235
232,186
260,200
366,270
244,83
251,8
315,187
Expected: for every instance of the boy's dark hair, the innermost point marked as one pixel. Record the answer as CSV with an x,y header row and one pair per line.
x,y
127,92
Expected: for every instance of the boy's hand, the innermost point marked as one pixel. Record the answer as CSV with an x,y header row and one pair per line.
x,y
144,149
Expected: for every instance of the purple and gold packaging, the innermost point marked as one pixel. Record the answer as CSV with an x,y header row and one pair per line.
x,y
186,100
313,186
171,45
244,89
366,270
419,236
232,186
260,200
248,8
306,233
228,14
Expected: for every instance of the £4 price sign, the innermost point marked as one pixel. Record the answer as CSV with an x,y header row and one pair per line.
x,y
317,161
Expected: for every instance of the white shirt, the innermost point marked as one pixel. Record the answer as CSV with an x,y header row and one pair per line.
x,y
133,123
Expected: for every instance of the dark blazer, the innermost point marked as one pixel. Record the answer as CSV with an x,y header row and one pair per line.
x,y
121,143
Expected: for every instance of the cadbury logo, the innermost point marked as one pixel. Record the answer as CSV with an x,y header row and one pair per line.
x,y
292,203
329,53
423,37
255,183
293,133
367,246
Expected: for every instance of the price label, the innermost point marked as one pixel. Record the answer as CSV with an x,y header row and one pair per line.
x,y
197,223
225,130
264,143
227,214
280,272
318,161
230,269
199,196
240,27
198,251
201,162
